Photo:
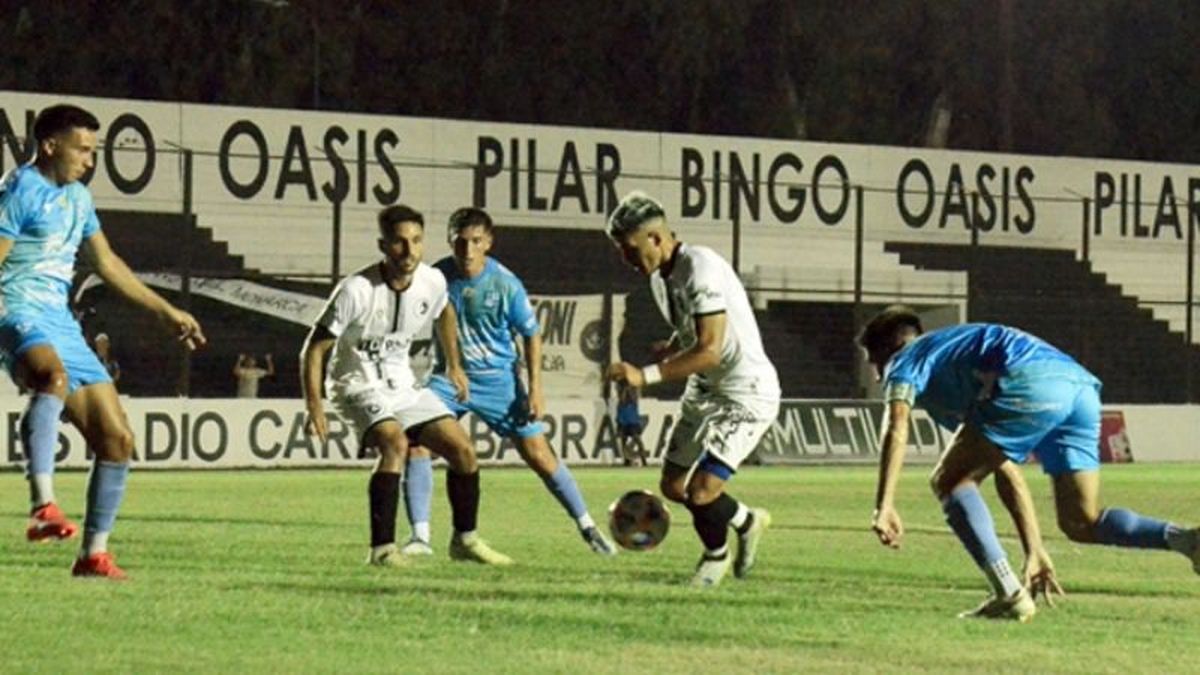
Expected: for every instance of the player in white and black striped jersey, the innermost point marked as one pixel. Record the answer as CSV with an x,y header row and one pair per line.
x,y
732,394
366,328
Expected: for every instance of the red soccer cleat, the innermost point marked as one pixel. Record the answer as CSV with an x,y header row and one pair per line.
x,y
98,565
48,522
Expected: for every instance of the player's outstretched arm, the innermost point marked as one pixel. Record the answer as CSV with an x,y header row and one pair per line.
x,y
5,247
886,521
113,270
312,371
447,335
1039,568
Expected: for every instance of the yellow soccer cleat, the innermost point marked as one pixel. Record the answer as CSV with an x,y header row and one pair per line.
x,y
747,552
386,556
474,549
710,571
1016,607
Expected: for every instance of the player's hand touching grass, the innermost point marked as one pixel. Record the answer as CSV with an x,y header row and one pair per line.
x,y
888,527
1039,577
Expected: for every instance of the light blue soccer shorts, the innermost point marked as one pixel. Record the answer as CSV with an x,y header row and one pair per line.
x,y
58,328
499,399
1055,413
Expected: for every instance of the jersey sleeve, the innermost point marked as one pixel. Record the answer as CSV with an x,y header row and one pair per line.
x,y
12,212
905,378
520,311
342,309
704,290
92,224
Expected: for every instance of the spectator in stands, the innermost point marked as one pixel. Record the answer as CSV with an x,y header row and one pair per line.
x,y
248,373
1007,394
103,348
629,425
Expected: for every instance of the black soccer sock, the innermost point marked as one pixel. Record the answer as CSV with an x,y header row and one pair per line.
x,y
712,520
384,495
463,491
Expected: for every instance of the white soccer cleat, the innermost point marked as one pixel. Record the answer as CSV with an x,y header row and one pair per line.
x,y
747,552
598,542
477,550
416,547
1016,607
386,556
710,571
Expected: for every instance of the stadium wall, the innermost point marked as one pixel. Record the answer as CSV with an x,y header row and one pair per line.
x,y
174,433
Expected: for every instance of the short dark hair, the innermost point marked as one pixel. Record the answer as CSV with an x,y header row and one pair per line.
x,y
63,117
636,209
881,330
469,216
395,214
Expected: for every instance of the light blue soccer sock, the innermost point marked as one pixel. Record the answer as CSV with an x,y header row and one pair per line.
x,y
39,436
562,485
1122,527
418,495
969,517
106,488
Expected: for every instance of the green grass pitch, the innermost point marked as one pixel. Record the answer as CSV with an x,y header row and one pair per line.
x,y
263,572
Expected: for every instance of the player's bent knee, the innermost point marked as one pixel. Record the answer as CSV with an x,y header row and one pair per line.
x,y
1077,528
114,445
53,381
461,459
673,490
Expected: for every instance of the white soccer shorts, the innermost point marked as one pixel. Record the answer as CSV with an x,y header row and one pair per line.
x,y
726,428
367,407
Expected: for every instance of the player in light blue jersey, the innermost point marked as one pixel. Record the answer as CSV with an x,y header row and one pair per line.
x,y
1007,394
493,308
46,218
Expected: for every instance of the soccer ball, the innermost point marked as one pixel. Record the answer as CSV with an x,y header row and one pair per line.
x,y
639,520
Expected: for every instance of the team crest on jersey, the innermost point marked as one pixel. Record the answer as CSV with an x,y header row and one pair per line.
x,y
491,299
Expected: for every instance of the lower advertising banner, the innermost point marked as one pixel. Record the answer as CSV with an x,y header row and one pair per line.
x,y
840,431
269,433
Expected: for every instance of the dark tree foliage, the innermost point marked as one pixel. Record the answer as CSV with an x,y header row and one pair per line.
x,y
1113,78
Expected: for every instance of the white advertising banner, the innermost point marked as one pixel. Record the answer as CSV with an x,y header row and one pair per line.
x,y
175,433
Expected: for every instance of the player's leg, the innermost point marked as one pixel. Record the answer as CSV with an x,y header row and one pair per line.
x,y
41,372
445,437
418,500
96,411
970,458
535,451
1070,455
383,489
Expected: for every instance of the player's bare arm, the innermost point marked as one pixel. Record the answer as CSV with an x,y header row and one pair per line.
x,y
533,365
886,521
5,247
312,372
447,334
1039,575
704,355
113,270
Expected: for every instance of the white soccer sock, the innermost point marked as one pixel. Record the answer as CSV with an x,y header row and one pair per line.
x,y
421,531
93,543
717,552
738,521
585,521
1004,581
42,489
